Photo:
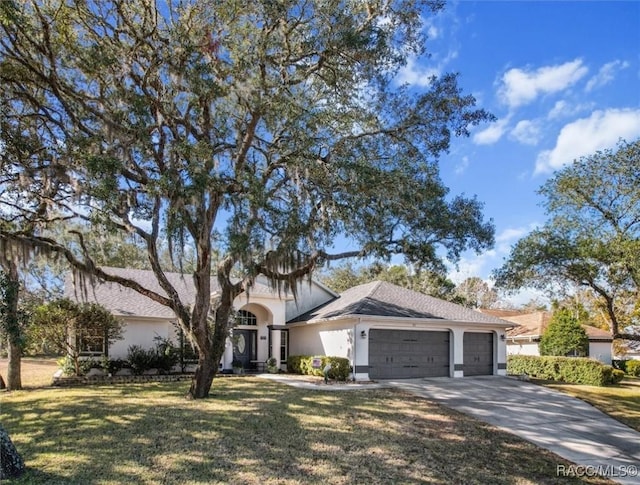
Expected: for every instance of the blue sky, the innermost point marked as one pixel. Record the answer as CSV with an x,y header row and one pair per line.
x,y
563,80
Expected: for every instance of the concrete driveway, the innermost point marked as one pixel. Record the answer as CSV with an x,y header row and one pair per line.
x,y
567,426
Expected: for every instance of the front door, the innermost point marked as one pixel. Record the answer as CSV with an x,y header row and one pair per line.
x,y
244,347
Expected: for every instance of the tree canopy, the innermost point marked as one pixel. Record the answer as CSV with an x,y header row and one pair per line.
x,y
434,283
592,239
263,128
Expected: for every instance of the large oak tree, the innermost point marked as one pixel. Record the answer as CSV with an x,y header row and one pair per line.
x,y
592,238
262,128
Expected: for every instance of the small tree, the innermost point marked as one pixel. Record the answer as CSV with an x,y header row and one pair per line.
x,y
71,328
564,336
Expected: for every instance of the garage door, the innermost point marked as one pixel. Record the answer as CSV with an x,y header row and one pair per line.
x,y
478,354
404,354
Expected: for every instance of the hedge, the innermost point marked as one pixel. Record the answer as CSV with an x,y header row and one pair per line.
x,y
303,364
574,370
633,368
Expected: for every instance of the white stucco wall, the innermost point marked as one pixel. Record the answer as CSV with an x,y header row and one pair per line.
x,y
333,339
600,351
597,350
523,348
141,332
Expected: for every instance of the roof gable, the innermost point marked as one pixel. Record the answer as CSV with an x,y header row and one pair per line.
x,y
533,325
383,299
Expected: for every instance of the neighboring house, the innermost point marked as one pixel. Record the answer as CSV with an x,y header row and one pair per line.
x,y
384,330
524,339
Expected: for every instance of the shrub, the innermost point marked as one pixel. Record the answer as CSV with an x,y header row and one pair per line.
x,y
294,362
303,364
166,355
70,367
140,359
272,365
616,376
575,370
633,368
112,366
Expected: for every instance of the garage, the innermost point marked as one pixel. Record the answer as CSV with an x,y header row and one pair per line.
x,y
478,354
405,354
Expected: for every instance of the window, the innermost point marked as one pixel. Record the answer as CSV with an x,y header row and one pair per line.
x,y
247,318
91,341
284,345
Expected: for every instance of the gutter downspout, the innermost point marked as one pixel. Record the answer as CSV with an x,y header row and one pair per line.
x,y
355,344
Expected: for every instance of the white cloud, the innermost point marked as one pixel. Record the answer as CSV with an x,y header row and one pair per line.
x,y
475,265
420,75
606,74
432,32
492,133
480,265
415,74
512,233
462,166
527,132
563,109
586,136
521,86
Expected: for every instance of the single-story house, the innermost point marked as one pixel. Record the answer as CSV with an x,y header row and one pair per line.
x,y
384,330
524,338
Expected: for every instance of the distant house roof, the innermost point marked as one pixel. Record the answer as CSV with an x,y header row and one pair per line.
x,y
384,299
126,302
533,325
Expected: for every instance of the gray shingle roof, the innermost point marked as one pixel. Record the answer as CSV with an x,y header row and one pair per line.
x,y
123,301
384,299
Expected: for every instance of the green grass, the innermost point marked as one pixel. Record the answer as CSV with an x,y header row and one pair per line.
x,y
620,401
253,431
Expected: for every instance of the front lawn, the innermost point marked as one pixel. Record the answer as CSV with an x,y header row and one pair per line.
x,y
620,401
254,431
36,372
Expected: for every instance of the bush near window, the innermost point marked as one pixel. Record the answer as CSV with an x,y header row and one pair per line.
x,y
303,364
574,370
162,357
633,368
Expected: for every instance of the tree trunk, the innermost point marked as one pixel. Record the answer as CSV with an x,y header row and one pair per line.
x,y
14,379
11,463
211,347
203,378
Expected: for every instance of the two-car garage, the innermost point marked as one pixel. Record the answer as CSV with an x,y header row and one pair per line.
x,y
405,354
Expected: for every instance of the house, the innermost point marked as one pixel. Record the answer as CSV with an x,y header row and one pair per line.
x,y
524,338
384,330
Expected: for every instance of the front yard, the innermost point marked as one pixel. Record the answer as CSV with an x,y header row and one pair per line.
x,y
620,401
253,431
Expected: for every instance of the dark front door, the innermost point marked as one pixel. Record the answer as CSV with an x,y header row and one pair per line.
x,y
478,354
244,347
